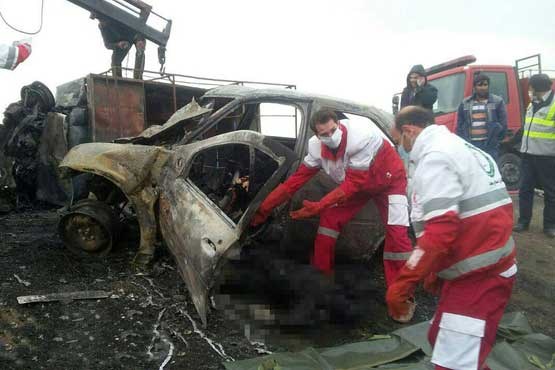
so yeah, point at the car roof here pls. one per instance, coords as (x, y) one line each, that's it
(250, 93)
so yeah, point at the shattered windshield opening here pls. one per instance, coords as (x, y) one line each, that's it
(277, 120)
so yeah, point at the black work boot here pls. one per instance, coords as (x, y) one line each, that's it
(549, 231)
(520, 227)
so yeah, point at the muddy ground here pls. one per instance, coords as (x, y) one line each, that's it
(149, 315)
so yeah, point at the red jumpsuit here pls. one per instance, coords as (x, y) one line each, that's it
(12, 55)
(462, 216)
(367, 168)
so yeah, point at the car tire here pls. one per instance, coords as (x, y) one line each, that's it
(89, 228)
(509, 166)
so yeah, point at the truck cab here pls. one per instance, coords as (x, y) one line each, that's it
(454, 81)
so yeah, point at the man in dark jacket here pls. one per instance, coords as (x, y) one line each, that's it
(418, 91)
(119, 39)
(482, 117)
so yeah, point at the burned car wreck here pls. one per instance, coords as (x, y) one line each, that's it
(195, 182)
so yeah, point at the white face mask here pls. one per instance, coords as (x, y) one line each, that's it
(332, 141)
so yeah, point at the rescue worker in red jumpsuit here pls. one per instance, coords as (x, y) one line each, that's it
(366, 166)
(462, 216)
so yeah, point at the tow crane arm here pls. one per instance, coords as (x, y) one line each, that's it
(134, 15)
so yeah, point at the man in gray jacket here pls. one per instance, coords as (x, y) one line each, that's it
(538, 155)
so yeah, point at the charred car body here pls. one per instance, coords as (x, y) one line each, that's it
(39, 130)
(196, 181)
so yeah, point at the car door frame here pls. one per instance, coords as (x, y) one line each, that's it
(189, 257)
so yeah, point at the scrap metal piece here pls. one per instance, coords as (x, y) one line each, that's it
(51, 149)
(20, 280)
(175, 122)
(68, 296)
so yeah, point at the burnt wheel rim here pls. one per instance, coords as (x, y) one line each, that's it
(84, 233)
(89, 228)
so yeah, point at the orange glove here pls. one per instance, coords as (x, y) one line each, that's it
(399, 294)
(309, 209)
(274, 199)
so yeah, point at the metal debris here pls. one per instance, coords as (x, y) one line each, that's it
(165, 265)
(68, 296)
(21, 281)
(260, 348)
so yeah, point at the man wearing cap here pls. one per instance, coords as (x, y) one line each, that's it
(418, 91)
(119, 39)
(366, 167)
(482, 117)
(538, 155)
(12, 55)
(462, 215)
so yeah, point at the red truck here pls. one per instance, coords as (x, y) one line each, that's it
(454, 78)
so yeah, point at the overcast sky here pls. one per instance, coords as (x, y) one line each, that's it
(355, 49)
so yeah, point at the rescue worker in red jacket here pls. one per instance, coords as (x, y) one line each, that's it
(366, 166)
(462, 216)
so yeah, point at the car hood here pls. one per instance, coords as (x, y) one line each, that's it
(172, 125)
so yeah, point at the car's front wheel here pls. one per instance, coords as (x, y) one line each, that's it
(89, 228)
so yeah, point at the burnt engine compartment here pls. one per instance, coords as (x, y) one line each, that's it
(231, 175)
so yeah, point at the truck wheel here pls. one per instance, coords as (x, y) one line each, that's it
(509, 166)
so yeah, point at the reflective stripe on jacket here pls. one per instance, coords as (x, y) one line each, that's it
(8, 56)
(460, 204)
(538, 137)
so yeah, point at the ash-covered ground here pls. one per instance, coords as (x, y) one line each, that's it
(149, 321)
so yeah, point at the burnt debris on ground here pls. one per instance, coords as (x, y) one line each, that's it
(149, 314)
(147, 319)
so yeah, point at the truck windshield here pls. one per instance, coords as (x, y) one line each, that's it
(450, 93)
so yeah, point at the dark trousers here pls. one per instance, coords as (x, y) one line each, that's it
(118, 55)
(537, 171)
(492, 150)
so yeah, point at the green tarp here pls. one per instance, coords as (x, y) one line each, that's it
(517, 348)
